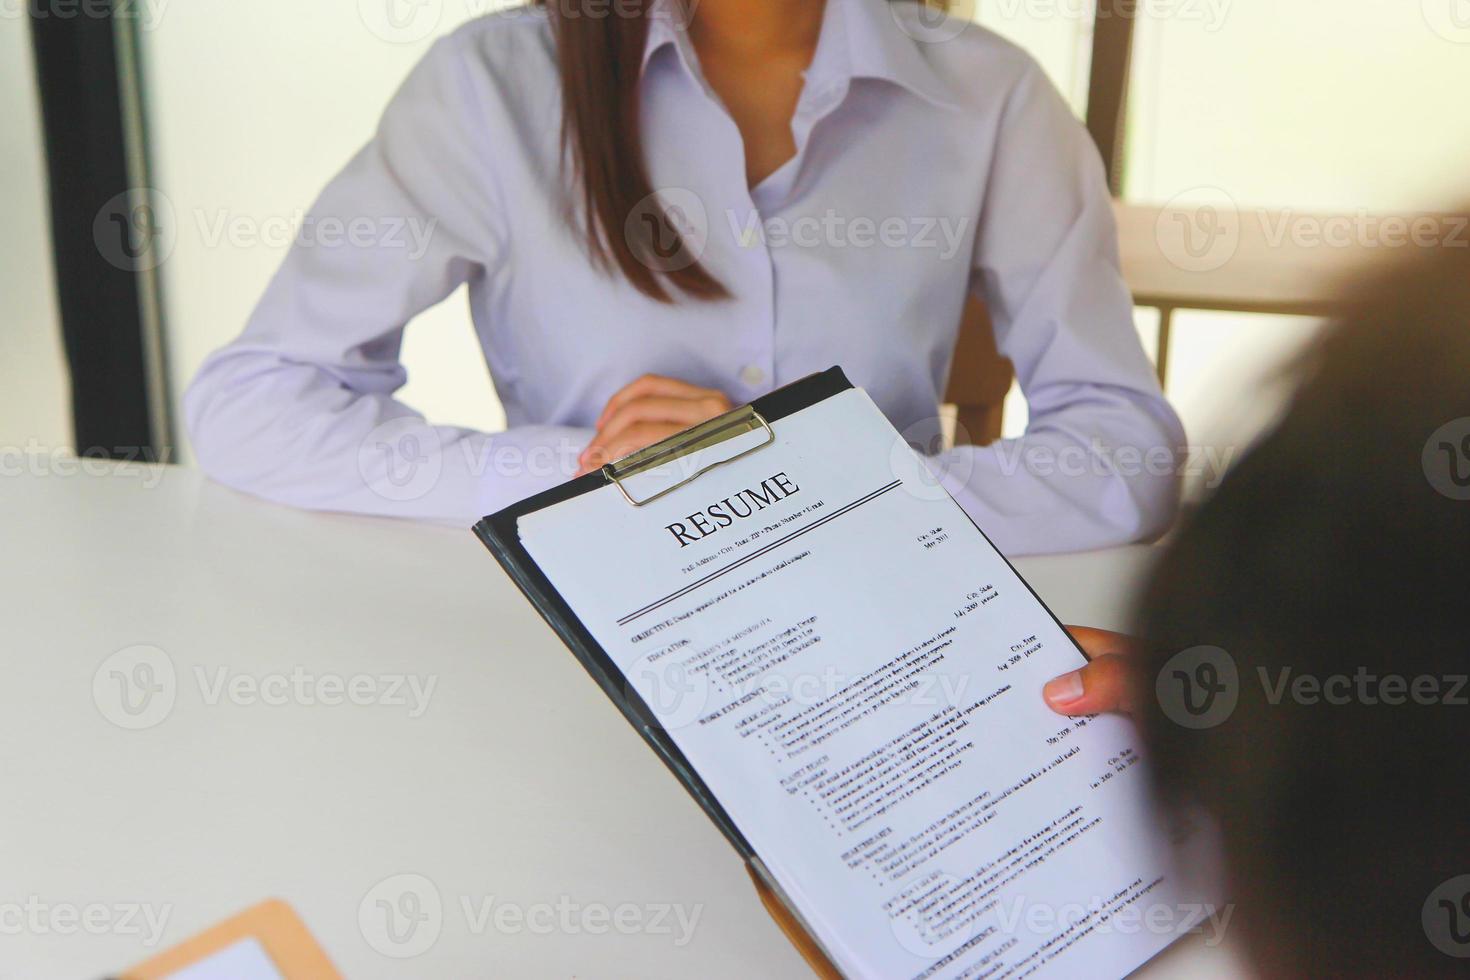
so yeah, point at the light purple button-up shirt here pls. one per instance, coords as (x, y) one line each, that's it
(926, 166)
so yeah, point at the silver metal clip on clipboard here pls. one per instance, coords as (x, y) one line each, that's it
(720, 429)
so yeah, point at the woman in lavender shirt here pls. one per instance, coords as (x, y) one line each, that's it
(664, 208)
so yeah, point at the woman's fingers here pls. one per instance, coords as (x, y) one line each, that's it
(1105, 684)
(656, 386)
(668, 405)
(602, 451)
(681, 412)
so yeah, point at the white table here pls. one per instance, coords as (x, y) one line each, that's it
(519, 782)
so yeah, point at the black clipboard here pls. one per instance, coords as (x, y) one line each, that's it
(500, 534)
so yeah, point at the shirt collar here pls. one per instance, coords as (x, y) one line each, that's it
(860, 39)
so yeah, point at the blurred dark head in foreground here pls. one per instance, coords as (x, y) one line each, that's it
(1309, 637)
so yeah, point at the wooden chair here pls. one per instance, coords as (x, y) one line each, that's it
(979, 379)
(1265, 260)
(1263, 266)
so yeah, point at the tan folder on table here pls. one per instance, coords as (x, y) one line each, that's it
(273, 924)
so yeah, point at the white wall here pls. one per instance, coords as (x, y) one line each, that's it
(253, 107)
(1057, 33)
(34, 410)
(1328, 104)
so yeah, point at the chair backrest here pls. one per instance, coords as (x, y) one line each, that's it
(979, 379)
(1204, 258)
(1222, 256)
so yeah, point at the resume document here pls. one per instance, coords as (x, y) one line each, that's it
(856, 674)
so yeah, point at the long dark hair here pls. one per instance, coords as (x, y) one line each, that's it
(600, 47)
(600, 56)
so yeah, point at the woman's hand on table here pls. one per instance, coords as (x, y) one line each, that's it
(648, 410)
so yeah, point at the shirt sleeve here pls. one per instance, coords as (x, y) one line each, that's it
(1096, 466)
(300, 408)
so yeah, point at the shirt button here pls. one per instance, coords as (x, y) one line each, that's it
(752, 375)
